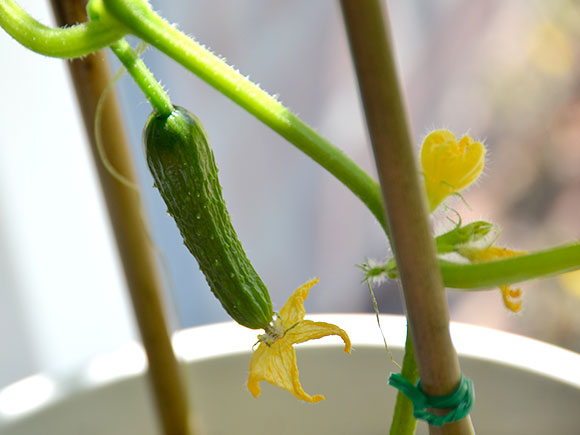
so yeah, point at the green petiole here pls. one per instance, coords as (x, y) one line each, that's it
(143, 77)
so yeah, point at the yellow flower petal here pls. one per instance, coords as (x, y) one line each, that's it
(275, 359)
(293, 310)
(277, 365)
(511, 297)
(449, 166)
(309, 330)
(489, 254)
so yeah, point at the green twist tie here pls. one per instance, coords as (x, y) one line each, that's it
(459, 402)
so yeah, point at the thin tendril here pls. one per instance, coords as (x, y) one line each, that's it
(453, 210)
(98, 122)
(164, 264)
(463, 200)
(376, 307)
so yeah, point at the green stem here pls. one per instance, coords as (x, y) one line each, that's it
(403, 421)
(539, 264)
(143, 77)
(70, 42)
(104, 29)
(152, 28)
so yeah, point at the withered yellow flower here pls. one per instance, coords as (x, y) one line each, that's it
(511, 297)
(449, 166)
(275, 359)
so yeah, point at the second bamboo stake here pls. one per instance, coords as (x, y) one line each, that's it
(406, 210)
(91, 76)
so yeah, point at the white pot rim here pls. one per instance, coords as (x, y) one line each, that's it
(228, 338)
(470, 340)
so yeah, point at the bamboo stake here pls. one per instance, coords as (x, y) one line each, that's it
(406, 210)
(90, 76)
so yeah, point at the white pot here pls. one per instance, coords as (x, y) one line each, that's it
(522, 386)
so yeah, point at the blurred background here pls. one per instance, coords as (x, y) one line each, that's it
(503, 71)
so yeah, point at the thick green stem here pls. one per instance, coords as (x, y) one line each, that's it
(143, 77)
(70, 42)
(153, 29)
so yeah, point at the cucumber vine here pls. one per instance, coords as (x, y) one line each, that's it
(111, 20)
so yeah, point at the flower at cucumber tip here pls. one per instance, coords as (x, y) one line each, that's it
(274, 360)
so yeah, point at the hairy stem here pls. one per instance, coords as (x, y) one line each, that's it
(143, 77)
(153, 29)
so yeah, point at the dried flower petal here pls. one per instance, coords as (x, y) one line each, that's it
(511, 297)
(274, 360)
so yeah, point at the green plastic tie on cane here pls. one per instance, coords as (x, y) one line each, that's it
(458, 402)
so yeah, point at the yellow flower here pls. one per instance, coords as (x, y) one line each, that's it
(449, 166)
(275, 359)
(511, 297)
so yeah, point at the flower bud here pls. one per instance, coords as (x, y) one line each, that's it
(449, 166)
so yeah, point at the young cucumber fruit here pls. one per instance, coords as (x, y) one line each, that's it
(184, 169)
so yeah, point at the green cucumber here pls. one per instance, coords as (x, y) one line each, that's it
(183, 166)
